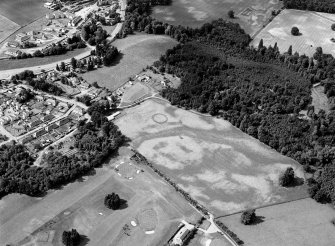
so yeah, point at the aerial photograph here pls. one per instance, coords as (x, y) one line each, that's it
(167, 123)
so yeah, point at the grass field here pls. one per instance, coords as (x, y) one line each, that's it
(22, 12)
(36, 61)
(151, 203)
(223, 168)
(298, 223)
(314, 28)
(138, 51)
(251, 14)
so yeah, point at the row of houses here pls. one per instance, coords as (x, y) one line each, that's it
(47, 129)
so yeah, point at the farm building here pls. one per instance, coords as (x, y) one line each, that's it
(32, 33)
(113, 116)
(13, 53)
(12, 44)
(22, 39)
(181, 236)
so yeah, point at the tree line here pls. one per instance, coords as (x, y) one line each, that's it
(327, 6)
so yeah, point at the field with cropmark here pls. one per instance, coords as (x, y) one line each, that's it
(251, 14)
(151, 211)
(315, 29)
(22, 12)
(300, 223)
(7, 27)
(217, 164)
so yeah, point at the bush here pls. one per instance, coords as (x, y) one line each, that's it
(231, 14)
(295, 31)
(333, 27)
(112, 201)
(248, 217)
(70, 238)
(287, 178)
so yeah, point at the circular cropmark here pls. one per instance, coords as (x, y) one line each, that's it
(160, 118)
(147, 219)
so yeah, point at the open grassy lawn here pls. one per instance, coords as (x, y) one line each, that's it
(36, 61)
(314, 28)
(138, 51)
(220, 166)
(22, 12)
(298, 223)
(251, 14)
(151, 204)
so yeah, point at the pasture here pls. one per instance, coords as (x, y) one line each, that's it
(217, 164)
(22, 12)
(299, 223)
(251, 15)
(314, 28)
(151, 203)
(137, 52)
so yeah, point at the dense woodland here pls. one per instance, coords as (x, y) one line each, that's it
(327, 6)
(95, 141)
(258, 90)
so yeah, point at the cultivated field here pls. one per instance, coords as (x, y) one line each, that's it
(7, 27)
(152, 204)
(314, 28)
(22, 12)
(298, 223)
(251, 14)
(223, 168)
(138, 51)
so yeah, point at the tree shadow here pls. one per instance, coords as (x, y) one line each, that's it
(89, 173)
(123, 204)
(296, 182)
(83, 240)
(258, 220)
(117, 60)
